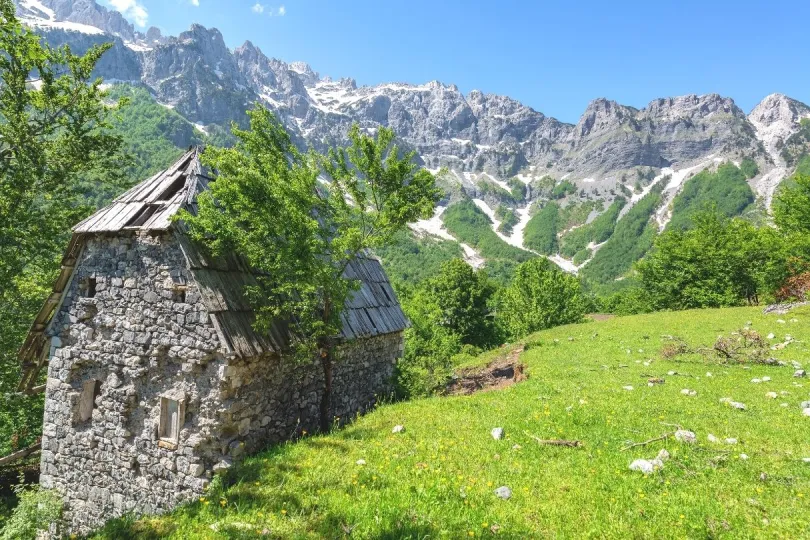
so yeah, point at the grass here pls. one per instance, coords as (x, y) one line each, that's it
(438, 477)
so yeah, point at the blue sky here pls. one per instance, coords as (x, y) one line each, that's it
(552, 56)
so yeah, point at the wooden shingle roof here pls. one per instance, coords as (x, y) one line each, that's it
(150, 206)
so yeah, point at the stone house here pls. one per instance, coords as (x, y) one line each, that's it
(155, 375)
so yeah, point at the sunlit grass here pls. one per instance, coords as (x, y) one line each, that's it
(437, 479)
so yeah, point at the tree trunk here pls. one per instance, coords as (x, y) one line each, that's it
(326, 398)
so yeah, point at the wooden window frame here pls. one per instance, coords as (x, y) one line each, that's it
(168, 430)
(84, 412)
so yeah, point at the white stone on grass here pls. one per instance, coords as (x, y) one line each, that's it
(771, 395)
(743, 457)
(766, 379)
(628, 387)
(712, 438)
(756, 381)
(497, 433)
(361, 462)
(731, 440)
(688, 392)
(642, 465)
(771, 336)
(800, 373)
(806, 411)
(398, 429)
(503, 492)
(685, 436)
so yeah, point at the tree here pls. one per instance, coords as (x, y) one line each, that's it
(719, 262)
(791, 209)
(53, 138)
(300, 235)
(463, 298)
(540, 296)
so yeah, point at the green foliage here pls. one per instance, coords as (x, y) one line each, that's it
(37, 509)
(540, 233)
(469, 224)
(597, 231)
(508, 219)
(563, 189)
(632, 237)
(409, 259)
(628, 301)
(581, 256)
(542, 187)
(727, 189)
(720, 262)
(749, 168)
(791, 207)
(447, 313)
(266, 205)
(518, 189)
(488, 187)
(52, 135)
(540, 296)
(577, 213)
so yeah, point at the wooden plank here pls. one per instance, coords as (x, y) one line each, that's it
(119, 221)
(16, 456)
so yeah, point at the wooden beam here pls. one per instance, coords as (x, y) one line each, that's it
(16, 456)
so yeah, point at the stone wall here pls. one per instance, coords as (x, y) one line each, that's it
(139, 340)
(269, 400)
(142, 340)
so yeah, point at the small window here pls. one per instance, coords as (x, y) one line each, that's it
(172, 417)
(179, 295)
(87, 400)
(88, 287)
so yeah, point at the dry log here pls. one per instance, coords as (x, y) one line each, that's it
(554, 442)
(16, 456)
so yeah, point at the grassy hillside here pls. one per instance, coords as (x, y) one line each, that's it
(410, 260)
(727, 189)
(437, 479)
(472, 226)
(632, 237)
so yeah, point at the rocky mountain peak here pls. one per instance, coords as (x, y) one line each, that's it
(85, 12)
(778, 108)
(602, 114)
(306, 73)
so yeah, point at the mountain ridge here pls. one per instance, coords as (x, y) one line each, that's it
(487, 142)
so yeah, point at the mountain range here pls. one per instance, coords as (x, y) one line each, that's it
(504, 157)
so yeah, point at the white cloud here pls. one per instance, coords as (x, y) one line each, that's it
(131, 9)
(282, 11)
(258, 8)
(195, 3)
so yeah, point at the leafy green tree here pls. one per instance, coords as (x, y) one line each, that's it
(268, 205)
(540, 296)
(541, 230)
(464, 296)
(719, 262)
(791, 209)
(54, 134)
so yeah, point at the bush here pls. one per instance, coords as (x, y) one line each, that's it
(540, 296)
(749, 168)
(563, 189)
(508, 219)
(597, 231)
(37, 509)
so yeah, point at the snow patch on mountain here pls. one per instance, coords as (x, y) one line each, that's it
(433, 226)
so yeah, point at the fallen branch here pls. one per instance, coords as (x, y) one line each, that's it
(16, 456)
(554, 442)
(660, 438)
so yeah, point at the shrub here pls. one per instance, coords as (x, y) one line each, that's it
(540, 296)
(37, 509)
(726, 189)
